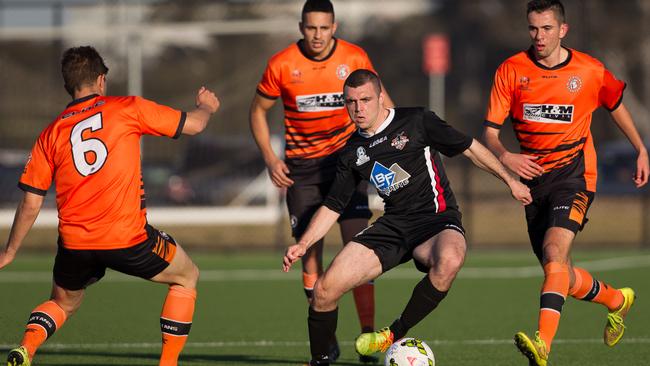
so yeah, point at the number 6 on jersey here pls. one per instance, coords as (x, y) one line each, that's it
(80, 146)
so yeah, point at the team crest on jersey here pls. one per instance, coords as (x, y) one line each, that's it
(362, 157)
(548, 113)
(342, 71)
(524, 83)
(319, 102)
(295, 76)
(574, 84)
(388, 180)
(400, 141)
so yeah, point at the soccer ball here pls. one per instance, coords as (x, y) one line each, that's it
(409, 352)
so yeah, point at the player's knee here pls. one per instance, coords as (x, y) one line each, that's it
(324, 294)
(193, 275)
(554, 253)
(448, 266)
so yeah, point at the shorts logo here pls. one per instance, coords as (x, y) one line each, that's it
(400, 141)
(342, 71)
(293, 220)
(388, 180)
(574, 84)
(548, 113)
(362, 158)
(319, 102)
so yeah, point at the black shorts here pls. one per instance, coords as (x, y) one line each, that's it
(304, 200)
(78, 269)
(565, 206)
(394, 237)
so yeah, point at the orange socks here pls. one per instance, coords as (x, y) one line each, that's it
(45, 319)
(587, 288)
(308, 282)
(175, 323)
(364, 299)
(554, 292)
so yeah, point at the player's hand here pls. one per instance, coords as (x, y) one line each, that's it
(522, 165)
(642, 169)
(207, 100)
(520, 192)
(6, 257)
(292, 254)
(278, 171)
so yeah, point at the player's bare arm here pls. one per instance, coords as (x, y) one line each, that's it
(485, 160)
(624, 121)
(520, 164)
(207, 104)
(259, 125)
(319, 225)
(26, 214)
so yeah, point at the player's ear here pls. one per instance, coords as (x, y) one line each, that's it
(101, 83)
(564, 29)
(301, 28)
(334, 26)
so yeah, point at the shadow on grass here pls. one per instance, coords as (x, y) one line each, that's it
(147, 359)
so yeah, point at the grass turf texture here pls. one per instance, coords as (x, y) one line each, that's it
(249, 313)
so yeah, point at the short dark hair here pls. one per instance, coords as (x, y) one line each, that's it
(81, 66)
(543, 5)
(362, 77)
(321, 6)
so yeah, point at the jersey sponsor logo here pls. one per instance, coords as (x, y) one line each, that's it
(549, 113)
(377, 142)
(29, 158)
(342, 71)
(362, 157)
(399, 142)
(574, 84)
(294, 221)
(388, 180)
(319, 102)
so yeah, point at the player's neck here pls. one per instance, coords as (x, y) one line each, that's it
(381, 117)
(557, 57)
(86, 91)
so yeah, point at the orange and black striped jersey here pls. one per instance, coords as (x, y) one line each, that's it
(92, 152)
(551, 111)
(315, 120)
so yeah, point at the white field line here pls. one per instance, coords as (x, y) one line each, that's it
(600, 265)
(266, 343)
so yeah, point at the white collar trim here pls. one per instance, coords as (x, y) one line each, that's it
(383, 126)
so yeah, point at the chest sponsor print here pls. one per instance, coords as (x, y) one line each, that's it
(319, 102)
(548, 113)
(388, 180)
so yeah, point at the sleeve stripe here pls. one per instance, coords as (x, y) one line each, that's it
(492, 124)
(28, 188)
(181, 124)
(620, 100)
(261, 93)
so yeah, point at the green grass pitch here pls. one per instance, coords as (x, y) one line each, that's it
(249, 313)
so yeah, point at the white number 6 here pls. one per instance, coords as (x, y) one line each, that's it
(80, 146)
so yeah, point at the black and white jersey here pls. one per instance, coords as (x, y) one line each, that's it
(402, 161)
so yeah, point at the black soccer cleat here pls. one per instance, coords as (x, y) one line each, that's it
(368, 360)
